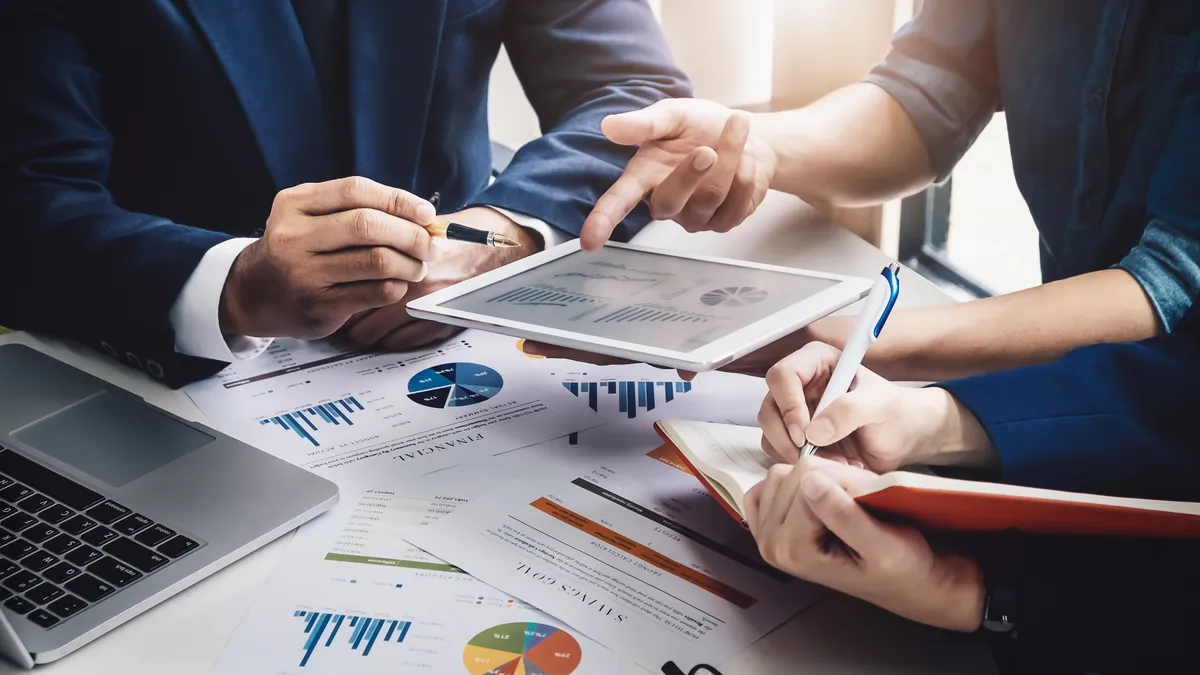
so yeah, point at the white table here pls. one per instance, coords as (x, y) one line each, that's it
(838, 636)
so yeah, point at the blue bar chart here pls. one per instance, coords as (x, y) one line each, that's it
(303, 422)
(632, 395)
(364, 631)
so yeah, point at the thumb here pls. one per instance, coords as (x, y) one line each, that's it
(843, 516)
(849, 413)
(660, 120)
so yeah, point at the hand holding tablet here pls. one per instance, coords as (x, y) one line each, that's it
(688, 312)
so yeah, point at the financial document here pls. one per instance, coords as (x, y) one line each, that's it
(623, 543)
(366, 418)
(351, 596)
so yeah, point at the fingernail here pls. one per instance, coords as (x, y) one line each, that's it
(530, 348)
(704, 161)
(814, 487)
(819, 431)
(425, 213)
(857, 464)
(797, 434)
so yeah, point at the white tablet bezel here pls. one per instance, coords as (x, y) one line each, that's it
(709, 357)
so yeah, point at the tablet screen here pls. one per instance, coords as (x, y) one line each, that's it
(645, 298)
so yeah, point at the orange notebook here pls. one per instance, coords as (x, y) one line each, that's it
(728, 460)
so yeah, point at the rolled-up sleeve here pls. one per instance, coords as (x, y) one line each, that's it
(942, 71)
(1166, 262)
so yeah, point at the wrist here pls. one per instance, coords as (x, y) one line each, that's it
(960, 594)
(955, 436)
(231, 313)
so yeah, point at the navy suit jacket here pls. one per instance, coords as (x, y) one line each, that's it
(137, 134)
(1115, 419)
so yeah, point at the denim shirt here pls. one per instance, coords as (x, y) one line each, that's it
(1102, 100)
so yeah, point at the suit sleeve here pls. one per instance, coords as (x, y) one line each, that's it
(578, 61)
(1112, 419)
(74, 262)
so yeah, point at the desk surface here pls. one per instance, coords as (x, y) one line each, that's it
(838, 636)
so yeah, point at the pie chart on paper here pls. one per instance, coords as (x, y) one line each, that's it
(522, 649)
(452, 385)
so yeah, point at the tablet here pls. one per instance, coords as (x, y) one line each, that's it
(669, 309)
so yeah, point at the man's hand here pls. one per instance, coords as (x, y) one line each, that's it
(808, 525)
(393, 329)
(877, 423)
(330, 250)
(699, 164)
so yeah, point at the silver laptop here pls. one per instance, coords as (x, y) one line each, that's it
(108, 506)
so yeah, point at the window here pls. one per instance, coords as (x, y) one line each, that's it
(974, 234)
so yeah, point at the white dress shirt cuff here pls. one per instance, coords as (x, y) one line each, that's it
(551, 236)
(195, 316)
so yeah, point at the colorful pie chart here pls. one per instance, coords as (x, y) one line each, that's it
(522, 649)
(451, 385)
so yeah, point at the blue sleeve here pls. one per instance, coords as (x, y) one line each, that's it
(1166, 262)
(73, 262)
(942, 71)
(1113, 419)
(579, 61)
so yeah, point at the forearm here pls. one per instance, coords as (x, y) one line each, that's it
(1037, 325)
(854, 146)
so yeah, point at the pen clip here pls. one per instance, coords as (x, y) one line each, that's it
(434, 199)
(892, 274)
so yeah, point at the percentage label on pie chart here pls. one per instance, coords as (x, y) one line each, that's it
(522, 649)
(733, 296)
(451, 385)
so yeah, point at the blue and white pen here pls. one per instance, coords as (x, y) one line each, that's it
(875, 312)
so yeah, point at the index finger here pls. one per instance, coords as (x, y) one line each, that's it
(357, 192)
(789, 379)
(612, 207)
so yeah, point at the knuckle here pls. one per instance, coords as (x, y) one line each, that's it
(778, 471)
(391, 291)
(378, 260)
(352, 188)
(363, 225)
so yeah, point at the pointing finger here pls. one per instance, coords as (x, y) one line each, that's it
(669, 198)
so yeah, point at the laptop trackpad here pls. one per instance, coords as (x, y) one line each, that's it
(113, 438)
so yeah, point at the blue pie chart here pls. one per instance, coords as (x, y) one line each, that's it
(454, 385)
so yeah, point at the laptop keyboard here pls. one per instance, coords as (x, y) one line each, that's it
(65, 547)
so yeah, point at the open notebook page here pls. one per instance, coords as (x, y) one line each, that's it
(729, 454)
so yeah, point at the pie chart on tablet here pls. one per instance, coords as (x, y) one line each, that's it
(522, 649)
(454, 385)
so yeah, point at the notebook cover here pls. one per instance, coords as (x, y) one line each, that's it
(973, 512)
(729, 508)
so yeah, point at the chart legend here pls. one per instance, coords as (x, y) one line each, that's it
(632, 395)
(303, 422)
(363, 632)
(525, 648)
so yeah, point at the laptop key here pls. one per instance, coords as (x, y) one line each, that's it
(135, 554)
(43, 593)
(34, 503)
(7, 567)
(84, 555)
(5, 481)
(89, 588)
(7, 510)
(77, 525)
(61, 545)
(154, 536)
(5, 594)
(39, 533)
(177, 546)
(43, 618)
(15, 550)
(117, 573)
(107, 512)
(18, 521)
(15, 492)
(6, 536)
(38, 561)
(98, 536)
(19, 605)
(53, 485)
(21, 581)
(61, 573)
(55, 514)
(130, 525)
(67, 605)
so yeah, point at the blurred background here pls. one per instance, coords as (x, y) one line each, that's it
(972, 235)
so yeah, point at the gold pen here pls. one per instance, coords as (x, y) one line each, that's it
(457, 232)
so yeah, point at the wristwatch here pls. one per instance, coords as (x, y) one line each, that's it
(1000, 605)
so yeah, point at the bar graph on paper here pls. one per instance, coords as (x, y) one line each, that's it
(304, 421)
(631, 395)
(360, 634)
